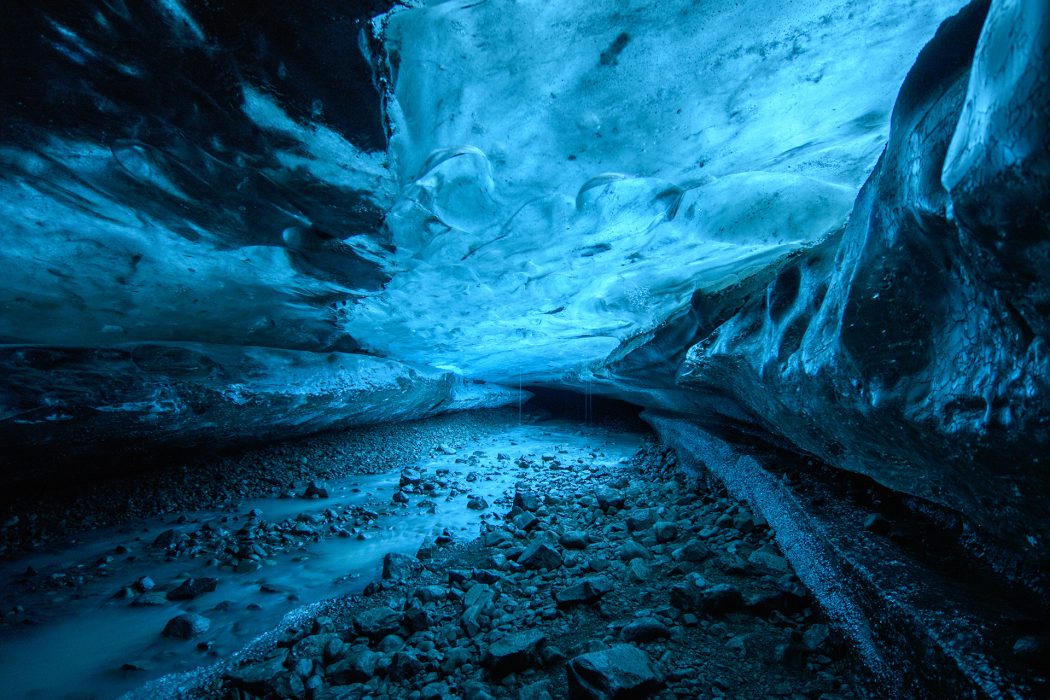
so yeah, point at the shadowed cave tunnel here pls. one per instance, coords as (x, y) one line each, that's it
(516, 349)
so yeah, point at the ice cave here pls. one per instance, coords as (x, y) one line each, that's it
(524, 349)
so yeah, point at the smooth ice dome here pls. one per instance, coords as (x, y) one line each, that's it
(559, 199)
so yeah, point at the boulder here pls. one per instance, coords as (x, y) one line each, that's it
(586, 590)
(646, 629)
(609, 497)
(622, 672)
(260, 678)
(527, 501)
(514, 653)
(397, 567)
(186, 626)
(540, 555)
(574, 539)
(375, 623)
(358, 666)
(193, 587)
(665, 531)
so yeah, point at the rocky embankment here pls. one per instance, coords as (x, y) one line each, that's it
(594, 580)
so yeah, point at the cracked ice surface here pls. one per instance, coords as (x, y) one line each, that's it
(573, 172)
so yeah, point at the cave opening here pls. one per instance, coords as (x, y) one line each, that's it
(584, 407)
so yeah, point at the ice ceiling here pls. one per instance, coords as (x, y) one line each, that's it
(557, 178)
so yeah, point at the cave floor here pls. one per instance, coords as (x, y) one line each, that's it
(379, 585)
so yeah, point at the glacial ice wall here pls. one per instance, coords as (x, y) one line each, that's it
(911, 348)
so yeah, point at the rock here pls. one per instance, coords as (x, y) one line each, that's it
(126, 592)
(404, 666)
(665, 531)
(738, 643)
(877, 524)
(186, 626)
(375, 623)
(815, 637)
(416, 619)
(477, 599)
(475, 690)
(781, 601)
(768, 558)
(514, 652)
(618, 673)
(574, 539)
(150, 599)
(315, 490)
(540, 555)
(789, 654)
(430, 594)
(598, 564)
(193, 587)
(734, 565)
(477, 503)
(645, 629)
(409, 477)
(526, 521)
(260, 678)
(438, 690)
(445, 449)
(609, 497)
(454, 658)
(246, 566)
(721, 598)
(323, 648)
(527, 501)
(631, 550)
(638, 570)
(485, 576)
(358, 666)
(165, 539)
(144, 584)
(496, 536)
(540, 690)
(693, 551)
(397, 567)
(478, 593)
(586, 590)
(642, 520)
(1030, 649)
(696, 594)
